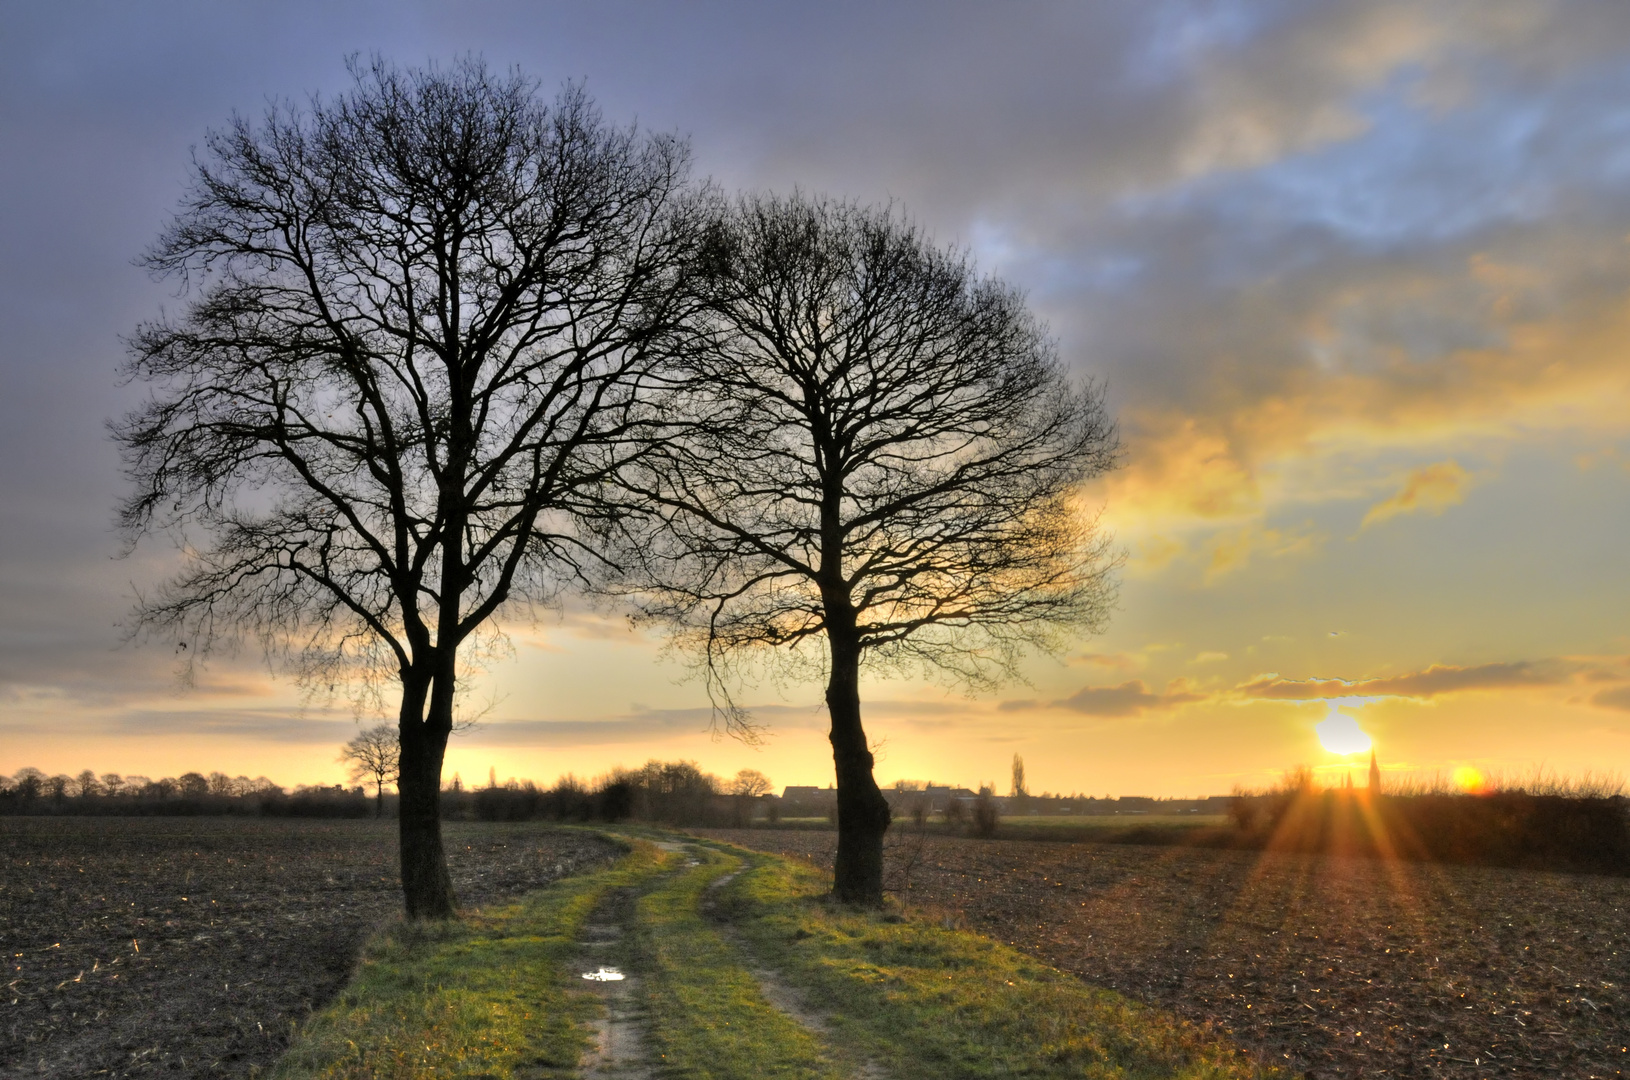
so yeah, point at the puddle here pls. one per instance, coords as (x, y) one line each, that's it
(605, 974)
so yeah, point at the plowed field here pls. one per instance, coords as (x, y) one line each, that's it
(1344, 967)
(190, 947)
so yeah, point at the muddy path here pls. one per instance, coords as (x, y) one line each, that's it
(621, 1048)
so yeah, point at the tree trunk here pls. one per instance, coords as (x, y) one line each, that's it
(379, 798)
(426, 887)
(863, 813)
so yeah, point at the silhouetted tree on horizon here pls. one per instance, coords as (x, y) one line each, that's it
(407, 364)
(876, 458)
(375, 755)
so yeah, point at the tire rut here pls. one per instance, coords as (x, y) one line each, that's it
(787, 999)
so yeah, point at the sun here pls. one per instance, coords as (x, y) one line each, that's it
(1340, 734)
(1469, 780)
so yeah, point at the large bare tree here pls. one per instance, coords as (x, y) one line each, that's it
(880, 454)
(406, 363)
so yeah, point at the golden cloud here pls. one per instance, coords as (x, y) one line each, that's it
(1432, 488)
(1537, 343)
(1616, 698)
(1128, 699)
(1425, 684)
(1233, 550)
(1114, 661)
(1184, 472)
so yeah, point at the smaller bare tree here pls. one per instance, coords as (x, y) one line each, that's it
(375, 755)
(748, 785)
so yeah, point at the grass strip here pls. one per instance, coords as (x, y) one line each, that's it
(708, 1018)
(482, 997)
(929, 1002)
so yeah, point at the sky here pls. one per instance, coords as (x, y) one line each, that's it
(1356, 277)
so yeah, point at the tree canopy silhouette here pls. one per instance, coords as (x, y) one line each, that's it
(879, 459)
(405, 367)
(374, 754)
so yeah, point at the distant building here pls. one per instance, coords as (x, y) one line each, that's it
(810, 793)
(933, 797)
(807, 801)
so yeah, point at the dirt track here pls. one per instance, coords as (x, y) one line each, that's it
(188, 947)
(1343, 967)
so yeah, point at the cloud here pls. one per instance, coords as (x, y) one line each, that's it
(1432, 488)
(1616, 698)
(1431, 682)
(1128, 699)
(1119, 661)
(640, 724)
(1232, 550)
(1153, 553)
(270, 725)
(1300, 241)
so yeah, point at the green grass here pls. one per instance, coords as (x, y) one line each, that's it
(482, 997)
(929, 1002)
(496, 996)
(708, 1018)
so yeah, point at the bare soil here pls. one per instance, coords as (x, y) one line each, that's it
(192, 947)
(1339, 966)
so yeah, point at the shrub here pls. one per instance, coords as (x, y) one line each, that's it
(986, 815)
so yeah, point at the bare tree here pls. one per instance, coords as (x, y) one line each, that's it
(376, 755)
(409, 361)
(883, 457)
(750, 783)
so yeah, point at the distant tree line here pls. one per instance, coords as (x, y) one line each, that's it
(666, 792)
(31, 791)
(1548, 824)
(672, 792)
